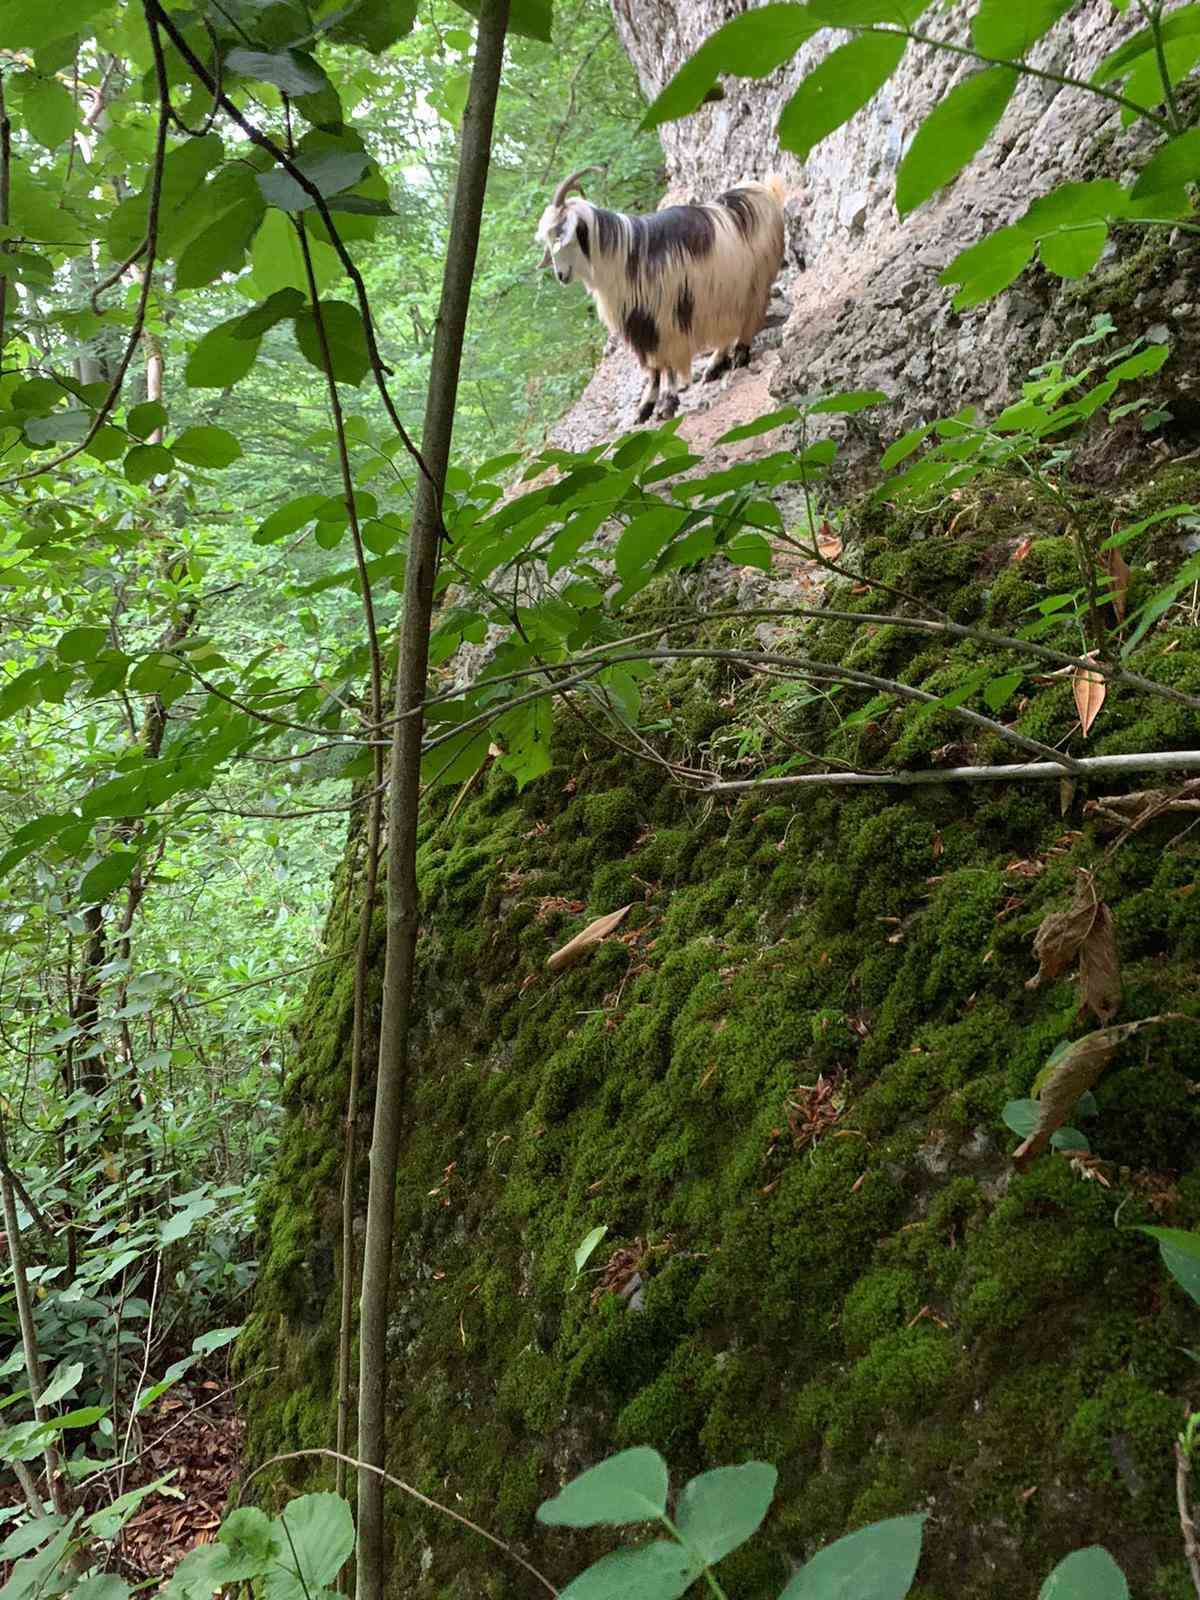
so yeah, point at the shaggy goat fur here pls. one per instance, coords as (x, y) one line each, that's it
(675, 282)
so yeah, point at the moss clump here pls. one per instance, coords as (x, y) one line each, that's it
(869, 1298)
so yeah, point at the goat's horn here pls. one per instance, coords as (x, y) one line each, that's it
(565, 187)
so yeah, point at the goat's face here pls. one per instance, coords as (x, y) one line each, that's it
(559, 232)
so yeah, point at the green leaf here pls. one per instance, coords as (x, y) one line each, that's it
(276, 261)
(629, 1487)
(985, 268)
(584, 1252)
(181, 1224)
(838, 87)
(278, 307)
(1073, 252)
(1181, 1256)
(1175, 164)
(719, 1510)
(107, 876)
(1099, 200)
(751, 430)
(375, 25)
(1089, 1574)
(751, 45)
(290, 70)
(346, 337)
(65, 1378)
(646, 537)
(206, 447)
(952, 134)
(221, 247)
(1133, 529)
(848, 403)
(865, 13)
(660, 1571)
(532, 18)
(317, 1538)
(60, 427)
(1022, 1116)
(29, 24)
(215, 1339)
(101, 1586)
(329, 173)
(1142, 364)
(145, 418)
(1000, 691)
(903, 447)
(248, 1545)
(81, 644)
(1178, 25)
(107, 444)
(220, 358)
(146, 461)
(1005, 29)
(877, 1563)
(47, 109)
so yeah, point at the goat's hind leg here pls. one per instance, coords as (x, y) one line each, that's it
(719, 365)
(649, 395)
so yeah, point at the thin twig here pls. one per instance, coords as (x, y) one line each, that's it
(407, 1488)
(1151, 761)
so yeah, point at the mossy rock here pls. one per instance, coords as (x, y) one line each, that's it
(875, 1302)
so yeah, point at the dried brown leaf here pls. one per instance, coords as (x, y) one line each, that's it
(595, 933)
(1077, 1070)
(1090, 691)
(1023, 549)
(1119, 570)
(1058, 940)
(1099, 972)
(828, 544)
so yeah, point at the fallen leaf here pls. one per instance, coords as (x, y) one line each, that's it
(1058, 940)
(1058, 1087)
(1023, 549)
(595, 933)
(1090, 690)
(1119, 570)
(1066, 795)
(1099, 973)
(829, 546)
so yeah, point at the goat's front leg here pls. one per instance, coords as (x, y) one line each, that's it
(649, 395)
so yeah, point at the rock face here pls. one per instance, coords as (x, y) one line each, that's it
(869, 312)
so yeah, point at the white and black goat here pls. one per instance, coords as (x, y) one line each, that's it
(675, 282)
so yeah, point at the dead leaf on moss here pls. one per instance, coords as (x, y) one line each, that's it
(1099, 973)
(1023, 548)
(1058, 940)
(595, 933)
(1119, 570)
(1090, 691)
(1060, 1084)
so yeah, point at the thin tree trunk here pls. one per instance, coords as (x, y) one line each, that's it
(33, 1361)
(405, 782)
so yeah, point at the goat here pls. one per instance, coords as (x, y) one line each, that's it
(675, 282)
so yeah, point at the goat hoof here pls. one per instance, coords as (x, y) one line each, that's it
(668, 406)
(715, 372)
(741, 356)
(645, 412)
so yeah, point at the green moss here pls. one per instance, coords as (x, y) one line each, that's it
(876, 1303)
